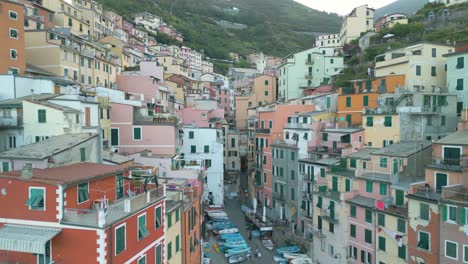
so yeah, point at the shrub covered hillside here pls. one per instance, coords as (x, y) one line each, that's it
(243, 26)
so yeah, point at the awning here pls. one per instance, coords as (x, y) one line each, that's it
(29, 239)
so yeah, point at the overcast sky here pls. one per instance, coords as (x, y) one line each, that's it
(342, 7)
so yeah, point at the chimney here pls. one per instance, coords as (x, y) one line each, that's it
(26, 172)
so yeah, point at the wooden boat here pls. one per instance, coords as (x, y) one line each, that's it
(228, 231)
(291, 249)
(278, 258)
(268, 244)
(239, 258)
(294, 256)
(301, 261)
(236, 251)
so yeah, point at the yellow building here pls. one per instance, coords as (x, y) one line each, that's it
(81, 61)
(68, 16)
(422, 63)
(117, 47)
(173, 229)
(381, 129)
(92, 12)
(360, 20)
(392, 223)
(173, 65)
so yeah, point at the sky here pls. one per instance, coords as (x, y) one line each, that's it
(342, 7)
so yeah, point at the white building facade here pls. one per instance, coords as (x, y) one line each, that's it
(207, 144)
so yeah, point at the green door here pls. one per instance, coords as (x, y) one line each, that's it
(5, 167)
(114, 136)
(395, 166)
(400, 197)
(335, 184)
(281, 190)
(319, 222)
(441, 180)
(335, 145)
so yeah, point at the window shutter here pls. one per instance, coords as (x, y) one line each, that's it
(463, 216)
(445, 213)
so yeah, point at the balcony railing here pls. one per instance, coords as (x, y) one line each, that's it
(115, 211)
(156, 118)
(11, 122)
(279, 197)
(455, 193)
(262, 130)
(309, 62)
(297, 126)
(309, 75)
(318, 233)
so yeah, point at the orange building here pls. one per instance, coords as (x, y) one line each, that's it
(12, 53)
(191, 227)
(364, 94)
(81, 213)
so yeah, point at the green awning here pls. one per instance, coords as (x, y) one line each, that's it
(29, 239)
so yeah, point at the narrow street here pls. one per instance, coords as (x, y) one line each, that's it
(233, 208)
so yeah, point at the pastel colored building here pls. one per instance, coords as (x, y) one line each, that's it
(269, 128)
(93, 13)
(12, 42)
(328, 40)
(422, 63)
(65, 208)
(56, 151)
(360, 20)
(201, 117)
(207, 144)
(437, 205)
(173, 226)
(306, 70)
(457, 76)
(133, 128)
(364, 94)
(390, 20)
(381, 129)
(69, 16)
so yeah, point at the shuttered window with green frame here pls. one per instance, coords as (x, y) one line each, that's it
(41, 116)
(352, 211)
(120, 240)
(83, 192)
(159, 254)
(365, 100)
(347, 185)
(142, 229)
(335, 183)
(368, 215)
(36, 198)
(370, 121)
(423, 240)
(158, 217)
(388, 121)
(368, 236)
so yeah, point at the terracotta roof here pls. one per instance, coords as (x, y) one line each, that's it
(69, 174)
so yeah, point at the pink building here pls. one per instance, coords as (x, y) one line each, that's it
(226, 101)
(166, 29)
(127, 26)
(201, 117)
(147, 86)
(135, 129)
(271, 120)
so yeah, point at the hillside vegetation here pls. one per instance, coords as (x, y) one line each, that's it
(276, 27)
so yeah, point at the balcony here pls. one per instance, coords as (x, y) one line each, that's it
(307, 178)
(447, 163)
(262, 130)
(309, 75)
(457, 193)
(155, 118)
(318, 233)
(296, 126)
(279, 197)
(326, 150)
(329, 215)
(307, 196)
(309, 62)
(116, 211)
(11, 122)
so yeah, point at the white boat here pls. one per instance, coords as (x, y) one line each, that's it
(206, 260)
(217, 214)
(294, 256)
(238, 258)
(301, 261)
(277, 258)
(268, 244)
(228, 231)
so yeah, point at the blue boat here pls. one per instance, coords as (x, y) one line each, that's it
(235, 244)
(236, 251)
(291, 249)
(227, 236)
(231, 240)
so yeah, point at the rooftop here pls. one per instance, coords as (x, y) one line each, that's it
(69, 174)
(115, 157)
(47, 148)
(403, 149)
(19, 101)
(376, 176)
(55, 106)
(363, 154)
(343, 130)
(362, 201)
(457, 138)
